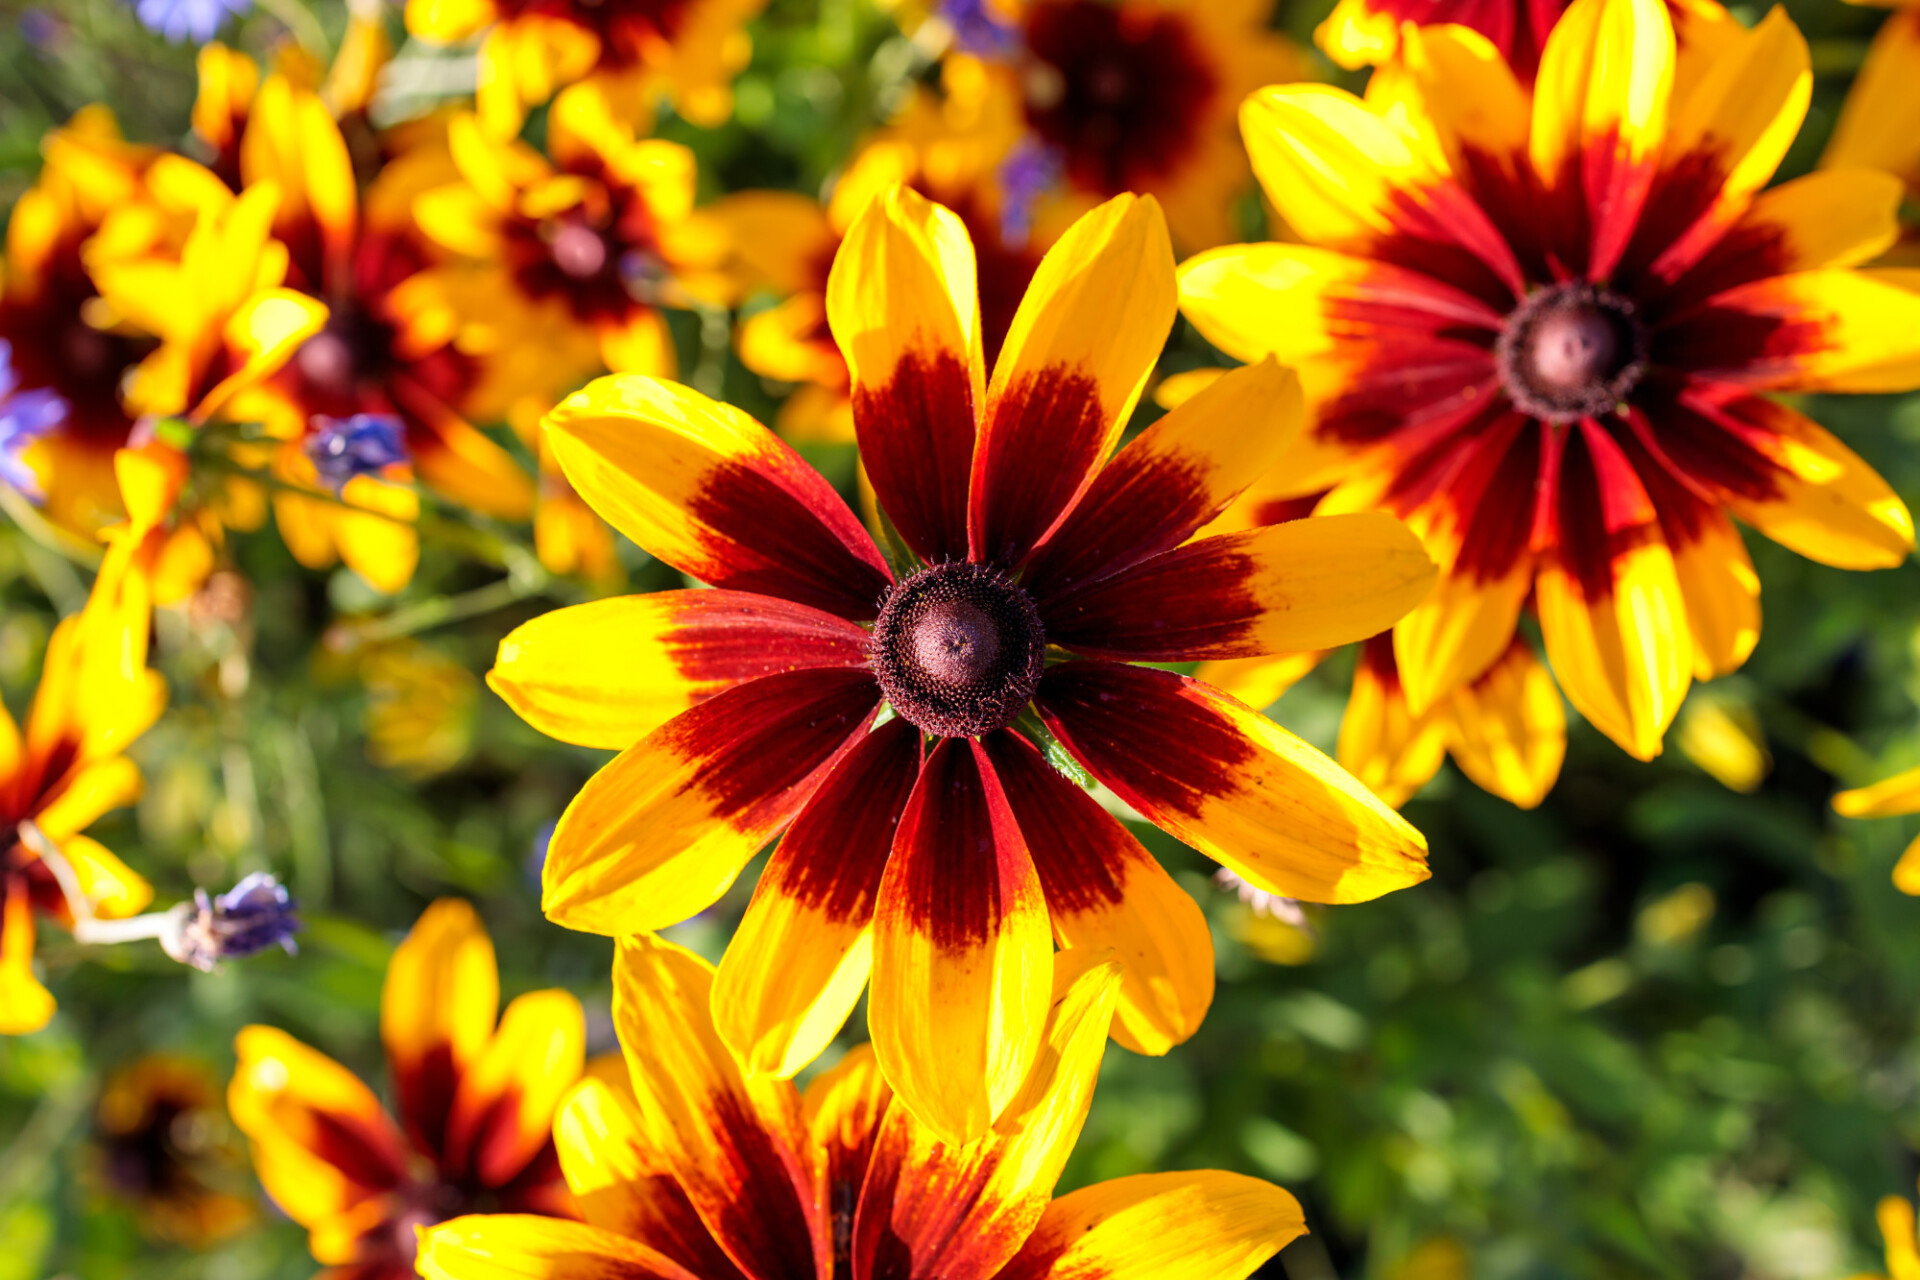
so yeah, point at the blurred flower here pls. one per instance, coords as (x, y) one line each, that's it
(695, 1168)
(364, 445)
(783, 243)
(1723, 737)
(162, 1144)
(575, 255)
(420, 708)
(1506, 730)
(49, 314)
(1137, 95)
(1272, 927)
(25, 416)
(1556, 379)
(255, 914)
(954, 868)
(1678, 916)
(1895, 1215)
(39, 28)
(386, 352)
(476, 1105)
(1890, 797)
(1364, 33)
(1879, 124)
(65, 769)
(633, 51)
(194, 20)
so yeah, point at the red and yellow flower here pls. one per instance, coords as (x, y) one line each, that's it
(1542, 326)
(66, 768)
(633, 51)
(1506, 730)
(1879, 126)
(381, 352)
(1070, 102)
(1365, 33)
(476, 1105)
(163, 1146)
(705, 1172)
(49, 308)
(937, 848)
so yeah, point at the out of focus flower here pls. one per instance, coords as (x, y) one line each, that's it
(64, 769)
(366, 444)
(255, 914)
(192, 20)
(782, 243)
(386, 354)
(1543, 334)
(420, 708)
(1363, 33)
(162, 1144)
(702, 1170)
(1895, 1215)
(476, 1105)
(1506, 730)
(1137, 95)
(633, 51)
(940, 849)
(1879, 125)
(1272, 927)
(1723, 737)
(1677, 917)
(49, 307)
(1888, 798)
(25, 416)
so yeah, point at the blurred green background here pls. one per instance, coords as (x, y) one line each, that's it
(1656, 1028)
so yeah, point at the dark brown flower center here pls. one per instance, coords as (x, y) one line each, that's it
(958, 649)
(1572, 351)
(578, 250)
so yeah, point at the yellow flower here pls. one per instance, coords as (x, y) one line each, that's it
(1363, 33)
(420, 708)
(1543, 328)
(938, 849)
(476, 1105)
(694, 1170)
(1879, 125)
(50, 314)
(380, 359)
(633, 51)
(1897, 1230)
(67, 768)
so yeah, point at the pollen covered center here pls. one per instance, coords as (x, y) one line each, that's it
(1572, 351)
(958, 649)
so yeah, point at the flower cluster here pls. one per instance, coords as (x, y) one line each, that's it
(982, 626)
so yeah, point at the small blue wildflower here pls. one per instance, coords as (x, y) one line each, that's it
(1030, 170)
(195, 20)
(39, 28)
(25, 416)
(255, 914)
(364, 444)
(536, 863)
(978, 30)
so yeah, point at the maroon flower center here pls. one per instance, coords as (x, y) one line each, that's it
(958, 649)
(335, 365)
(578, 250)
(1571, 351)
(1120, 93)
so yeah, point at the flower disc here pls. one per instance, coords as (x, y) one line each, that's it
(958, 649)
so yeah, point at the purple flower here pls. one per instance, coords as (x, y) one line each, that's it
(25, 416)
(255, 914)
(1030, 170)
(363, 445)
(978, 30)
(195, 20)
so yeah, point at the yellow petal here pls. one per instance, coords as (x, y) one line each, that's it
(519, 1246)
(1507, 730)
(1896, 795)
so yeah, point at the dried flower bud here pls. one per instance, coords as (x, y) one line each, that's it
(255, 914)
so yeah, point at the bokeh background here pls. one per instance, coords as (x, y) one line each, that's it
(1665, 1025)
